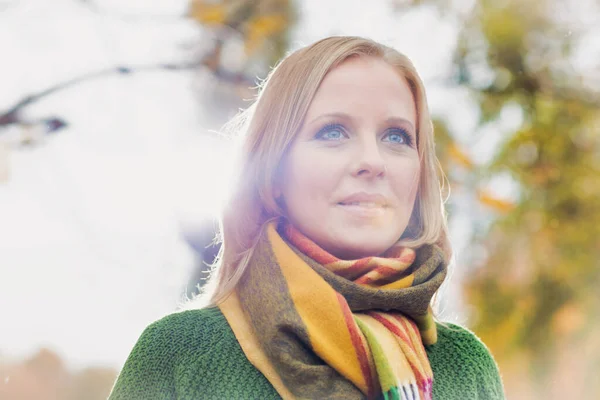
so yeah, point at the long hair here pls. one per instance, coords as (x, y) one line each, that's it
(268, 128)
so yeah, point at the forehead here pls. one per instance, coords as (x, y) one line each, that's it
(365, 85)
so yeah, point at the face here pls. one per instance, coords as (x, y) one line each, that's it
(351, 176)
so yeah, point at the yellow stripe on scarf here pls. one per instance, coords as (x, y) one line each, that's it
(325, 322)
(396, 358)
(399, 284)
(412, 349)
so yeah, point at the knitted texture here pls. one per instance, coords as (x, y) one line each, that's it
(195, 355)
(316, 343)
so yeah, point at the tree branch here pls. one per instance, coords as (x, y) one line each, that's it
(12, 115)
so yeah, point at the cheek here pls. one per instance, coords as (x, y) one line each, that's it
(309, 176)
(405, 181)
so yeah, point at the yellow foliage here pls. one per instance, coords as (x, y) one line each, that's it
(499, 338)
(262, 27)
(459, 156)
(256, 21)
(503, 26)
(208, 14)
(497, 204)
(568, 319)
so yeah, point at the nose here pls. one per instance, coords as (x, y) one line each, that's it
(369, 161)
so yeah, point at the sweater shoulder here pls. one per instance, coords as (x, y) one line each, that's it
(459, 355)
(208, 361)
(173, 354)
(175, 336)
(208, 320)
(467, 344)
(188, 328)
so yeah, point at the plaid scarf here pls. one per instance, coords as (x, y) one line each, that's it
(320, 327)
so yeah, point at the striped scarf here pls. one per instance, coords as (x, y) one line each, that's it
(320, 327)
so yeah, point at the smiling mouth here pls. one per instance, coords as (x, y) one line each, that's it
(363, 210)
(362, 204)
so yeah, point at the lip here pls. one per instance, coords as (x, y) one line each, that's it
(375, 199)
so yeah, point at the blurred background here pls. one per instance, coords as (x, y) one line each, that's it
(112, 170)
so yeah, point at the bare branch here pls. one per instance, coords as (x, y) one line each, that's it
(12, 115)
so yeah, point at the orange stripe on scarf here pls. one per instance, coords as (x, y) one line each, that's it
(362, 350)
(399, 329)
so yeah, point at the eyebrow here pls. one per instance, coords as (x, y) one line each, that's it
(344, 116)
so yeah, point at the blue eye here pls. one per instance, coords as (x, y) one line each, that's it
(331, 132)
(398, 136)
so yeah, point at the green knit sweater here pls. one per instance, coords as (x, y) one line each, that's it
(195, 355)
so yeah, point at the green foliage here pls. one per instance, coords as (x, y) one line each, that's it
(536, 294)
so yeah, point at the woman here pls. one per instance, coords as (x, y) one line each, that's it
(334, 243)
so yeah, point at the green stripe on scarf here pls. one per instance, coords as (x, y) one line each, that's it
(384, 371)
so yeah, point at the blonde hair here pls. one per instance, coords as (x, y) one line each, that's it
(269, 127)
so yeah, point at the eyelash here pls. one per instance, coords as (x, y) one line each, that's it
(398, 131)
(402, 132)
(328, 128)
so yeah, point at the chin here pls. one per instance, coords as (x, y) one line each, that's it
(360, 243)
(355, 251)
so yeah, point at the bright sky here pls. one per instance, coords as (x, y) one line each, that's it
(90, 243)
